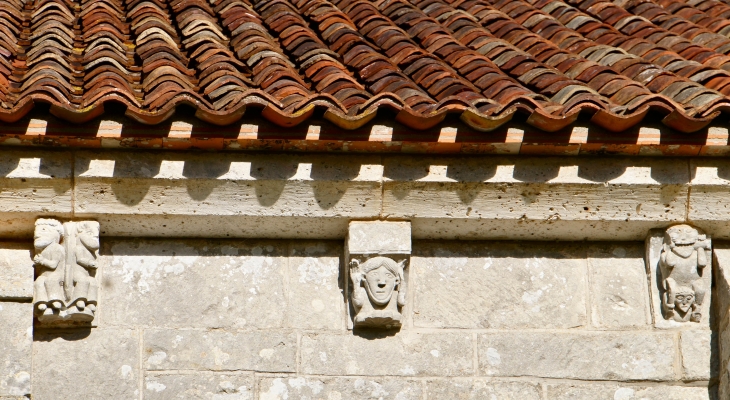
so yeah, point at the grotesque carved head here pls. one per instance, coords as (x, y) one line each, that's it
(47, 231)
(381, 277)
(89, 234)
(683, 235)
(684, 298)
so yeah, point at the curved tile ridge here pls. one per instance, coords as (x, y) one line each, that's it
(107, 57)
(46, 62)
(631, 99)
(636, 26)
(319, 64)
(428, 71)
(657, 15)
(682, 110)
(219, 74)
(571, 94)
(471, 66)
(11, 19)
(166, 78)
(379, 74)
(711, 14)
(554, 23)
(278, 86)
(604, 34)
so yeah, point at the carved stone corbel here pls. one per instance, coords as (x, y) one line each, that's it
(65, 260)
(378, 254)
(679, 263)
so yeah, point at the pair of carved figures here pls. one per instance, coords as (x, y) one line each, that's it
(65, 262)
(378, 292)
(686, 252)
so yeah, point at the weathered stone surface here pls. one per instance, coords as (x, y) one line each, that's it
(266, 351)
(534, 198)
(240, 186)
(377, 237)
(697, 361)
(176, 283)
(625, 392)
(405, 354)
(721, 270)
(708, 200)
(590, 355)
(16, 340)
(33, 183)
(16, 271)
(339, 388)
(199, 386)
(104, 362)
(315, 289)
(480, 389)
(499, 285)
(619, 292)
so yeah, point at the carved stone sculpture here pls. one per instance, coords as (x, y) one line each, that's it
(379, 292)
(378, 253)
(685, 254)
(65, 260)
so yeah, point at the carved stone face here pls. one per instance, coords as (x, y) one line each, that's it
(684, 300)
(683, 235)
(380, 284)
(44, 236)
(89, 235)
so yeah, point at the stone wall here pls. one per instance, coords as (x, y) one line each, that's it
(268, 319)
(229, 276)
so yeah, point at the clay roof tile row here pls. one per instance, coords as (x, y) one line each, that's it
(485, 60)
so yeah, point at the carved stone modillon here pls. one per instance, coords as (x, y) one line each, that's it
(65, 260)
(379, 292)
(685, 254)
(378, 253)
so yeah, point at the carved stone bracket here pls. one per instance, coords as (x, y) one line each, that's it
(65, 260)
(679, 264)
(378, 254)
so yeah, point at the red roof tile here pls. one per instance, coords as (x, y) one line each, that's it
(485, 60)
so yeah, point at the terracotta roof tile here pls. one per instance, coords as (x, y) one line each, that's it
(485, 60)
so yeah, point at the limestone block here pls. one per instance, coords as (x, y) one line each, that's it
(405, 354)
(240, 186)
(324, 388)
(378, 253)
(499, 285)
(708, 200)
(589, 355)
(570, 391)
(16, 271)
(16, 340)
(86, 364)
(534, 198)
(721, 269)
(265, 351)
(189, 283)
(376, 237)
(690, 278)
(721, 266)
(222, 226)
(199, 386)
(697, 361)
(315, 291)
(33, 183)
(478, 389)
(619, 295)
